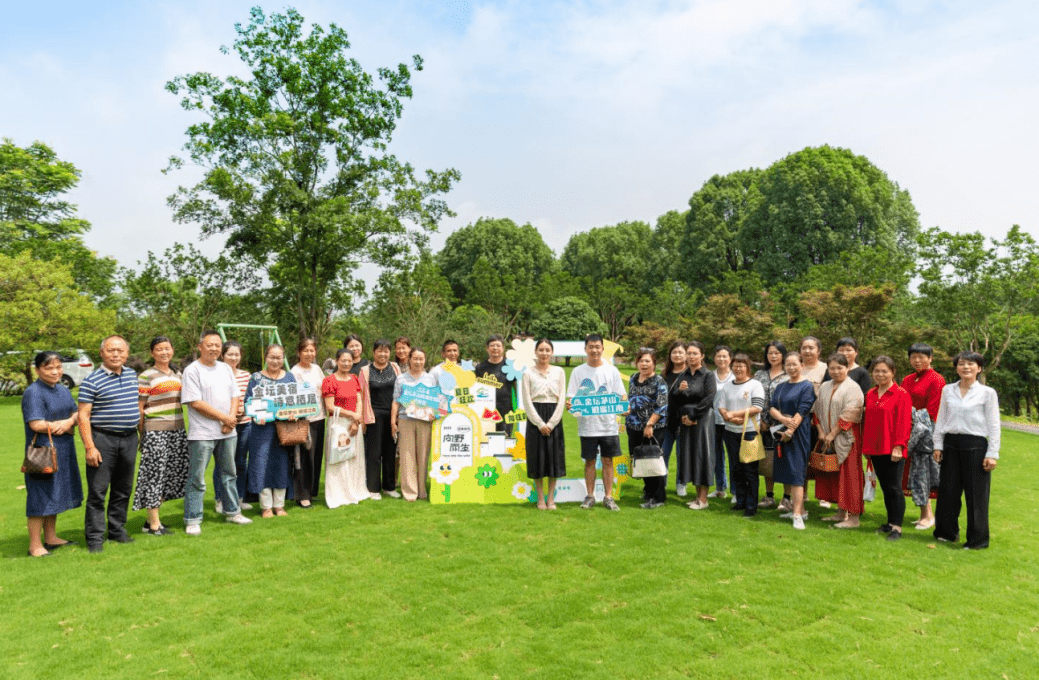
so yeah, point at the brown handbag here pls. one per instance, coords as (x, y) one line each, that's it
(823, 458)
(292, 432)
(41, 460)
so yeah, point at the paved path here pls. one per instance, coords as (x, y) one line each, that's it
(1021, 427)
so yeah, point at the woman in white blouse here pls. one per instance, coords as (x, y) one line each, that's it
(966, 445)
(544, 390)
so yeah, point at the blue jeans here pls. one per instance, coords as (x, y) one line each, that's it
(719, 458)
(240, 460)
(200, 452)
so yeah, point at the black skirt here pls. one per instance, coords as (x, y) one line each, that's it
(695, 448)
(546, 455)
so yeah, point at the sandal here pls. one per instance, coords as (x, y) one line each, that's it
(552, 506)
(267, 513)
(542, 506)
(925, 524)
(845, 525)
(280, 512)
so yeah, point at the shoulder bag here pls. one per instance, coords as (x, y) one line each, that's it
(751, 450)
(41, 460)
(341, 446)
(292, 432)
(647, 460)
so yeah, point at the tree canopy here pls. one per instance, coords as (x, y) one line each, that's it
(296, 172)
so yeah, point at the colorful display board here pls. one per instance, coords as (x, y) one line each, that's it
(283, 401)
(470, 462)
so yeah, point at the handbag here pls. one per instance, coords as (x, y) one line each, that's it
(292, 432)
(765, 465)
(869, 491)
(41, 460)
(341, 446)
(751, 450)
(647, 460)
(823, 459)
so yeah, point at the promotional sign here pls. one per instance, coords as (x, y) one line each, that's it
(589, 402)
(423, 402)
(283, 401)
(472, 463)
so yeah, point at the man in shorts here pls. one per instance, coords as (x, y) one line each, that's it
(599, 433)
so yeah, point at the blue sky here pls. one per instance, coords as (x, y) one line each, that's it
(567, 115)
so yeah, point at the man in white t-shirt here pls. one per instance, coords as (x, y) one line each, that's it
(599, 434)
(449, 352)
(211, 394)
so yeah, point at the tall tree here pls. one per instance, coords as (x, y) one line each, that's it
(498, 265)
(981, 295)
(815, 204)
(613, 263)
(296, 172)
(711, 247)
(36, 216)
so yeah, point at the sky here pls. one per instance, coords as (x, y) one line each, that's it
(566, 115)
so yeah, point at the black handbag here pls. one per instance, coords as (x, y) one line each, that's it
(647, 460)
(41, 460)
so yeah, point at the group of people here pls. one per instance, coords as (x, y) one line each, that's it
(362, 427)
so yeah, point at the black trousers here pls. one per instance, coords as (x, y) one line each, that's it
(115, 472)
(744, 476)
(889, 478)
(307, 480)
(962, 474)
(380, 452)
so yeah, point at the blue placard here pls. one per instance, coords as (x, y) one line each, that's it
(420, 401)
(601, 402)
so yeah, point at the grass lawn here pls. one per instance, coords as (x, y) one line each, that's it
(388, 589)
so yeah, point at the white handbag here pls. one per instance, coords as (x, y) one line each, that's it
(341, 445)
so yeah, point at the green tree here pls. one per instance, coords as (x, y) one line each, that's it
(181, 293)
(665, 245)
(470, 326)
(613, 264)
(711, 246)
(498, 265)
(982, 296)
(815, 204)
(36, 217)
(567, 318)
(413, 302)
(42, 309)
(296, 172)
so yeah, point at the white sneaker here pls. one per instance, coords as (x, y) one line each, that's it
(393, 493)
(193, 529)
(733, 501)
(376, 496)
(697, 505)
(799, 523)
(219, 508)
(680, 490)
(238, 519)
(788, 515)
(825, 504)
(245, 506)
(716, 494)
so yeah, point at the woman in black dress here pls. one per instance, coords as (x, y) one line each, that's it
(696, 426)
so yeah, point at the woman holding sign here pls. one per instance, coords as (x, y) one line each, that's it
(344, 467)
(544, 395)
(269, 461)
(307, 480)
(411, 426)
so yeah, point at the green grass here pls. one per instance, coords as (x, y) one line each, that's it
(390, 589)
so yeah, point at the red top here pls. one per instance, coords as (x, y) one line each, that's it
(343, 392)
(925, 389)
(887, 421)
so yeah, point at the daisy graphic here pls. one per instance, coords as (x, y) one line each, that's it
(521, 491)
(444, 473)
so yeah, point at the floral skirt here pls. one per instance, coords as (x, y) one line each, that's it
(163, 473)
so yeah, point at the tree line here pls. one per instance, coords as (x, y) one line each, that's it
(298, 183)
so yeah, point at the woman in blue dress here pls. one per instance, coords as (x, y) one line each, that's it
(47, 404)
(791, 406)
(270, 463)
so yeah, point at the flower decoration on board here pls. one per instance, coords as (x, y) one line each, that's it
(519, 358)
(468, 365)
(521, 491)
(622, 469)
(486, 476)
(444, 473)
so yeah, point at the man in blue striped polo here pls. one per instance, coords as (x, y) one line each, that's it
(108, 417)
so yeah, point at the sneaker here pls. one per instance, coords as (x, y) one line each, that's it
(375, 496)
(393, 493)
(825, 504)
(697, 505)
(789, 515)
(647, 505)
(238, 519)
(219, 507)
(659, 504)
(161, 531)
(588, 503)
(884, 529)
(680, 490)
(786, 505)
(733, 501)
(894, 536)
(767, 502)
(799, 523)
(717, 493)
(193, 529)
(610, 504)
(245, 506)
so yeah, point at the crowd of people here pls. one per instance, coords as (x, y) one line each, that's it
(813, 419)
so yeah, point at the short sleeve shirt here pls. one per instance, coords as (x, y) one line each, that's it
(215, 385)
(113, 399)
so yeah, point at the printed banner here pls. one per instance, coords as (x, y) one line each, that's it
(423, 402)
(283, 401)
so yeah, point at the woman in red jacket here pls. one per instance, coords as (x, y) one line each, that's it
(886, 425)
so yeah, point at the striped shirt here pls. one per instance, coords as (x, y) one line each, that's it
(113, 397)
(242, 378)
(160, 393)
